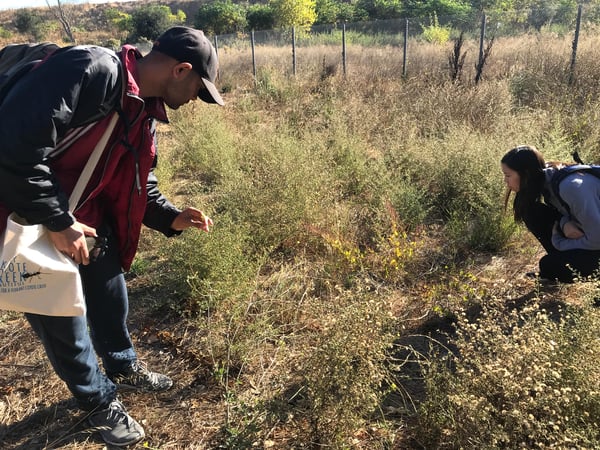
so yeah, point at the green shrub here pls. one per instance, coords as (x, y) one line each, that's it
(260, 17)
(118, 19)
(221, 17)
(150, 21)
(434, 32)
(208, 269)
(354, 339)
(4, 33)
(28, 21)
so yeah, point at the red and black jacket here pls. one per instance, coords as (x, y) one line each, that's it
(50, 121)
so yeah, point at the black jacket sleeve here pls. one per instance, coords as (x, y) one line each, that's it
(75, 86)
(160, 213)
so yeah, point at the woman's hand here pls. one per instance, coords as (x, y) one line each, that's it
(572, 230)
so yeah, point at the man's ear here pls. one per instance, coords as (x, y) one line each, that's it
(180, 70)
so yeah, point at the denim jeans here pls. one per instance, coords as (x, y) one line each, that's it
(72, 347)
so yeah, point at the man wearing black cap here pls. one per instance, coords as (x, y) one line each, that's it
(51, 120)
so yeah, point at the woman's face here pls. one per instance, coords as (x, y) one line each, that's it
(511, 178)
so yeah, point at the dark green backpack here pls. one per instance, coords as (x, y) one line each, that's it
(18, 59)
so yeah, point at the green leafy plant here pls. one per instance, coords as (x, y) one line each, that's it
(434, 32)
(150, 21)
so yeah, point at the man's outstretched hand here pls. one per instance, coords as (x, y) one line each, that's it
(192, 217)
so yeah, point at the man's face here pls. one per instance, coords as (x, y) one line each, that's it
(182, 88)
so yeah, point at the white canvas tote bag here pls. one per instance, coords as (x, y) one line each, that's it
(34, 276)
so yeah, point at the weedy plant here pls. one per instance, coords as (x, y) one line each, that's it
(342, 365)
(519, 378)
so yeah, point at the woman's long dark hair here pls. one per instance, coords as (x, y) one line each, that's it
(529, 163)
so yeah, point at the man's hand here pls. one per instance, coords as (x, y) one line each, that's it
(192, 217)
(71, 242)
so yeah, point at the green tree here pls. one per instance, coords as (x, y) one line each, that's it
(150, 21)
(260, 17)
(442, 8)
(348, 12)
(27, 21)
(545, 12)
(327, 11)
(221, 17)
(118, 20)
(334, 11)
(298, 13)
(382, 9)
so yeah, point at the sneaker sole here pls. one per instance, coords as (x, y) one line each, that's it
(115, 444)
(98, 429)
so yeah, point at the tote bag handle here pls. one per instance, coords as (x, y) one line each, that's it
(91, 164)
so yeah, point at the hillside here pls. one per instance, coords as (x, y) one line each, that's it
(87, 19)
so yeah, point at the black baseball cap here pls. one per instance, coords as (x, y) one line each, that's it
(189, 45)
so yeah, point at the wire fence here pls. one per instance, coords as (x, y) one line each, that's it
(400, 40)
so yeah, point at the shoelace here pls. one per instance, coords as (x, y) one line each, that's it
(140, 368)
(117, 410)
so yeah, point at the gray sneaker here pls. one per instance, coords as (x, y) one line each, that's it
(137, 376)
(115, 426)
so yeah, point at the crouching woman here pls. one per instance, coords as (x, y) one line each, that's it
(568, 227)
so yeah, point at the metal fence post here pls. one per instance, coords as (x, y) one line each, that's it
(405, 49)
(575, 42)
(294, 50)
(344, 47)
(217, 52)
(479, 66)
(253, 55)
(481, 38)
